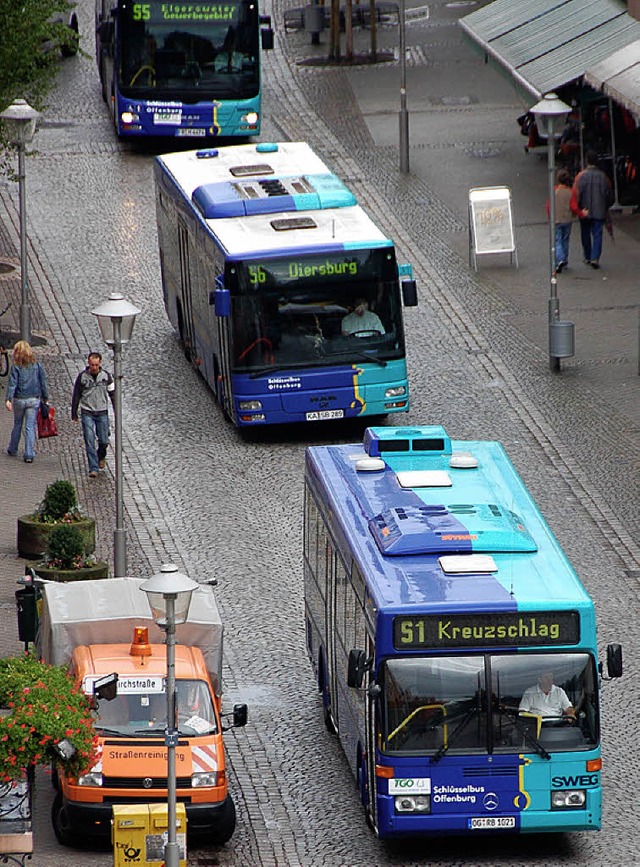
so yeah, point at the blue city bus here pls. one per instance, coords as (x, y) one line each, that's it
(286, 296)
(435, 597)
(182, 69)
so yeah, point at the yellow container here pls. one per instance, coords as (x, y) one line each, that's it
(129, 832)
(139, 834)
(157, 836)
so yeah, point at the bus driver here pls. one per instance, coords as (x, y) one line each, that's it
(547, 700)
(362, 321)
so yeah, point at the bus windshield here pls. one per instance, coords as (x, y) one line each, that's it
(319, 311)
(139, 712)
(189, 52)
(488, 703)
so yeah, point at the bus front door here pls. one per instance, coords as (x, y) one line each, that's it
(370, 720)
(185, 312)
(333, 564)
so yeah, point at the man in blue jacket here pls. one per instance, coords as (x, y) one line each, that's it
(93, 389)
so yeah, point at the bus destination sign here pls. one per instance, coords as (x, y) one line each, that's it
(498, 629)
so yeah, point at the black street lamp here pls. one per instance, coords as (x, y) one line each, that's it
(20, 126)
(169, 594)
(551, 115)
(116, 318)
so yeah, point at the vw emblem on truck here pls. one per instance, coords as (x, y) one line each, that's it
(147, 782)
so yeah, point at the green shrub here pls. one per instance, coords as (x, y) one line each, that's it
(66, 548)
(60, 499)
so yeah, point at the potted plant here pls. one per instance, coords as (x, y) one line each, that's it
(59, 506)
(42, 706)
(66, 558)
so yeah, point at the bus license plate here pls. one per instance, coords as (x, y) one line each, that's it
(324, 414)
(491, 822)
(191, 131)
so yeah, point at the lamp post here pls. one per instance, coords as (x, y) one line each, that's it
(116, 318)
(169, 594)
(404, 116)
(20, 125)
(551, 114)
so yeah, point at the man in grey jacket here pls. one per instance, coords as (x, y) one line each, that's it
(93, 389)
(593, 191)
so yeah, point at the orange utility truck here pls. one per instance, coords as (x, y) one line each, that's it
(103, 628)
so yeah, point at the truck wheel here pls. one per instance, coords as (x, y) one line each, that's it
(60, 822)
(226, 825)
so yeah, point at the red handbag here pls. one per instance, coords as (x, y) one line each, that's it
(46, 421)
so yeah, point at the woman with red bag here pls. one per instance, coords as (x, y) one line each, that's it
(27, 387)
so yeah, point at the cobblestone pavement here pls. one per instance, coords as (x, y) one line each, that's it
(199, 494)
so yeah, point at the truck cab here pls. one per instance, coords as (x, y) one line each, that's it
(130, 764)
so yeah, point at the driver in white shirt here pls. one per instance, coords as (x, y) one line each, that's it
(362, 321)
(545, 699)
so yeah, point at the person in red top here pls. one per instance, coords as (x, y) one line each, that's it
(566, 211)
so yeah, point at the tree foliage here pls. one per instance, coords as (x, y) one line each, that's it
(33, 35)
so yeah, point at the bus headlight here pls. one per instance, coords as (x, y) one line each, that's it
(244, 405)
(93, 778)
(396, 391)
(129, 117)
(206, 778)
(413, 804)
(251, 117)
(568, 799)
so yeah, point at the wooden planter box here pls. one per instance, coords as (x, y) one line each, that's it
(98, 570)
(33, 536)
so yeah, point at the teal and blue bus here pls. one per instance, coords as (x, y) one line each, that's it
(286, 296)
(437, 602)
(182, 69)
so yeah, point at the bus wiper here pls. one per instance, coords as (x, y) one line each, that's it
(363, 356)
(523, 730)
(454, 734)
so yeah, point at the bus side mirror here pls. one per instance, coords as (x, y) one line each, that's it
(356, 668)
(409, 293)
(221, 300)
(240, 715)
(614, 660)
(266, 39)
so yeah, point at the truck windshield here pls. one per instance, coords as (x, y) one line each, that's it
(134, 711)
(531, 702)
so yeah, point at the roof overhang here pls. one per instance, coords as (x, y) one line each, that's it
(545, 44)
(618, 76)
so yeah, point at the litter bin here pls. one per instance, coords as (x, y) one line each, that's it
(562, 339)
(27, 614)
(139, 834)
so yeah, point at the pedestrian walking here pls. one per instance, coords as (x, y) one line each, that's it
(594, 197)
(566, 210)
(26, 389)
(92, 390)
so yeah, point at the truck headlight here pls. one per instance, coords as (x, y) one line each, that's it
(206, 778)
(93, 778)
(568, 799)
(413, 803)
